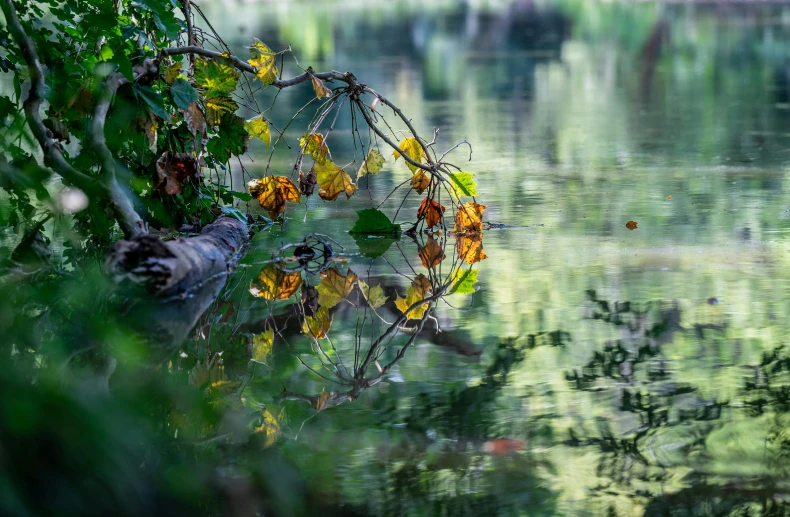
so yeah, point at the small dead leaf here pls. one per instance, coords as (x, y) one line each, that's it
(272, 192)
(334, 287)
(333, 181)
(631, 225)
(172, 169)
(420, 181)
(194, 119)
(469, 217)
(422, 285)
(503, 446)
(307, 183)
(322, 401)
(431, 211)
(275, 284)
(321, 91)
(431, 254)
(318, 324)
(669, 198)
(470, 247)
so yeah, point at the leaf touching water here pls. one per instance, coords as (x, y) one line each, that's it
(420, 286)
(372, 221)
(411, 147)
(275, 284)
(469, 217)
(431, 211)
(272, 192)
(463, 281)
(333, 181)
(431, 254)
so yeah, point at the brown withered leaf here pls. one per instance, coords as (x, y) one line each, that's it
(172, 169)
(318, 324)
(469, 247)
(194, 119)
(307, 183)
(323, 399)
(272, 192)
(469, 217)
(431, 211)
(422, 285)
(420, 181)
(321, 90)
(333, 181)
(431, 254)
(275, 284)
(334, 287)
(631, 225)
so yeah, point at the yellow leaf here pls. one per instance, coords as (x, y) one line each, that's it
(333, 181)
(270, 427)
(265, 62)
(318, 324)
(374, 295)
(372, 164)
(216, 106)
(262, 345)
(469, 217)
(431, 211)
(272, 192)
(431, 254)
(411, 147)
(420, 286)
(258, 127)
(323, 399)
(420, 181)
(314, 146)
(321, 90)
(470, 247)
(218, 75)
(172, 72)
(275, 284)
(334, 287)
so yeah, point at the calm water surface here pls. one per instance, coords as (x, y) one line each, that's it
(595, 370)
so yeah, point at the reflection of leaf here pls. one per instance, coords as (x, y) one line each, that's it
(275, 284)
(262, 345)
(272, 192)
(333, 181)
(320, 88)
(314, 146)
(374, 295)
(318, 324)
(411, 147)
(470, 247)
(374, 222)
(216, 75)
(323, 399)
(265, 62)
(217, 105)
(373, 246)
(420, 181)
(172, 169)
(431, 254)
(420, 286)
(463, 281)
(334, 287)
(469, 217)
(463, 184)
(270, 427)
(631, 225)
(372, 164)
(431, 211)
(258, 127)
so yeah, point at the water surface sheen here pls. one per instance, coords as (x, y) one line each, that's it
(595, 370)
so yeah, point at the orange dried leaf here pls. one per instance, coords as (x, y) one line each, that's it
(420, 181)
(469, 217)
(631, 225)
(431, 211)
(323, 400)
(470, 247)
(321, 90)
(272, 192)
(172, 169)
(275, 284)
(431, 254)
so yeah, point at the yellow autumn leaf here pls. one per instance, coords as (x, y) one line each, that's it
(470, 247)
(216, 106)
(218, 75)
(374, 295)
(275, 284)
(372, 164)
(264, 60)
(315, 147)
(318, 324)
(272, 192)
(334, 287)
(333, 181)
(172, 72)
(323, 400)
(262, 345)
(320, 88)
(419, 288)
(258, 127)
(420, 181)
(411, 147)
(469, 217)
(270, 427)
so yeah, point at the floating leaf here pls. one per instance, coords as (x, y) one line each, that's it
(374, 295)
(463, 281)
(463, 184)
(217, 106)
(217, 75)
(469, 217)
(333, 181)
(272, 192)
(194, 119)
(262, 345)
(631, 225)
(431, 211)
(314, 147)
(374, 246)
(258, 127)
(470, 247)
(372, 221)
(334, 287)
(411, 147)
(417, 291)
(318, 324)
(431, 254)
(372, 164)
(172, 72)
(172, 169)
(323, 399)
(420, 181)
(264, 60)
(275, 284)
(183, 93)
(270, 427)
(321, 90)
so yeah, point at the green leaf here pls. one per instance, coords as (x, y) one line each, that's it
(216, 75)
(232, 211)
(463, 281)
(372, 164)
(217, 106)
(374, 222)
(373, 246)
(375, 295)
(264, 60)
(183, 93)
(232, 139)
(463, 184)
(262, 345)
(154, 101)
(258, 127)
(243, 196)
(164, 19)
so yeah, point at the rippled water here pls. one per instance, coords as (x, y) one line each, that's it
(596, 370)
